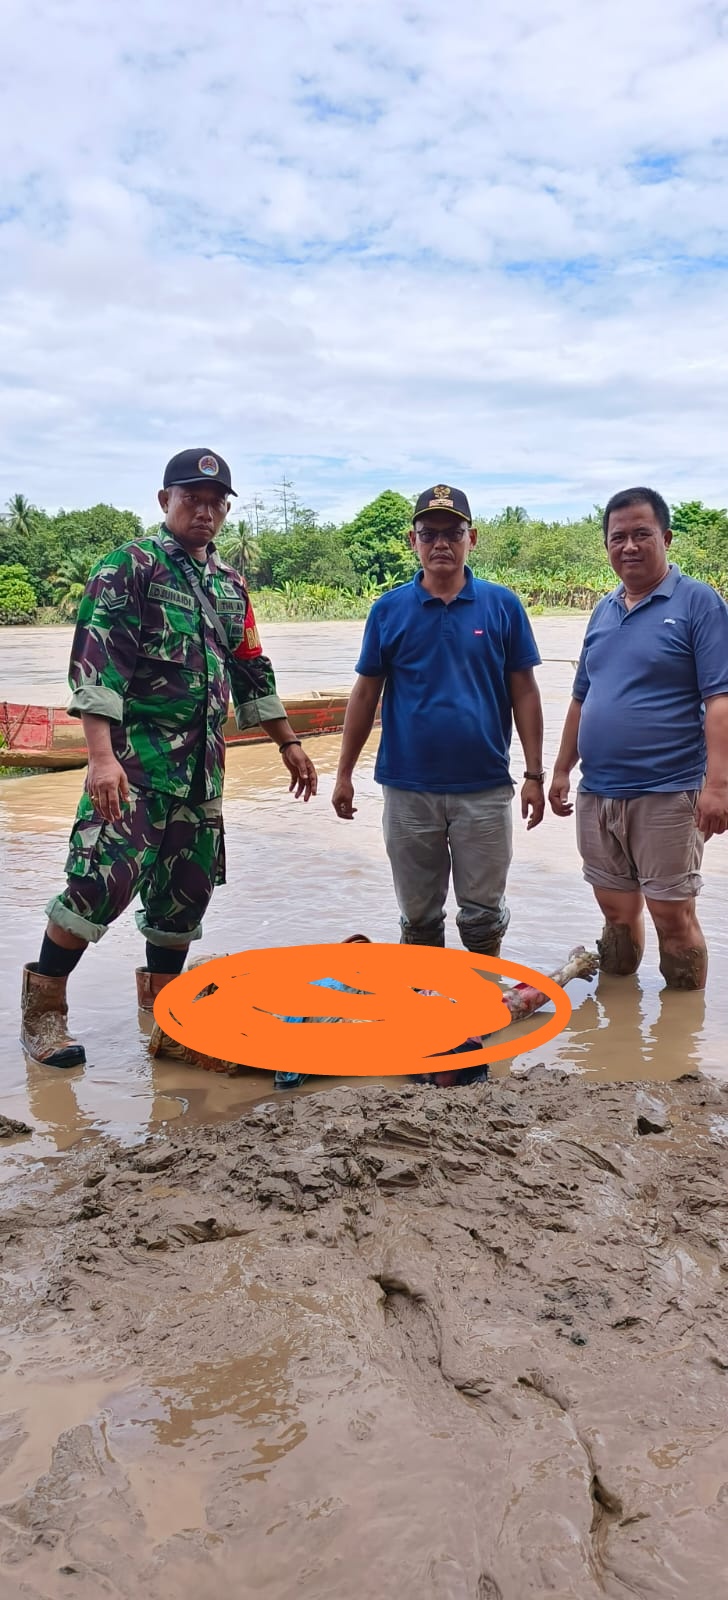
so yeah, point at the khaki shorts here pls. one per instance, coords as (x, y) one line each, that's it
(650, 843)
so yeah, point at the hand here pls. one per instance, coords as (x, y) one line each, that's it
(711, 811)
(342, 799)
(559, 794)
(533, 800)
(304, 778)
(107, 786)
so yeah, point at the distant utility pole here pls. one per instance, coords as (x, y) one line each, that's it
(283, 490)
(254, 510)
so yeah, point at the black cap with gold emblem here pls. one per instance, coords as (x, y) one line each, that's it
(198, 466)
(442, 498)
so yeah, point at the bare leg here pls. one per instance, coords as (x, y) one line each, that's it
(683, 953)
(622, 944)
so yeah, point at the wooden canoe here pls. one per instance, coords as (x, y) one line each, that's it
(46, 738)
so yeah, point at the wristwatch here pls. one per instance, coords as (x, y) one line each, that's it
(535, 777)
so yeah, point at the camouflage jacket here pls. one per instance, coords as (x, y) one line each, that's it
(144, 656)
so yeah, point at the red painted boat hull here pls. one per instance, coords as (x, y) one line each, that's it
(47, 737)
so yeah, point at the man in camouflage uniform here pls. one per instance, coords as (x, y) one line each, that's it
(150, 679)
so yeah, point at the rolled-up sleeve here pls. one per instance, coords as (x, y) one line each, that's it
(106, 638)
(251, 708)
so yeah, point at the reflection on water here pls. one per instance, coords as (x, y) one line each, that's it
(52, 1100)
(60, 1102)
(298, 875)
(622, 1028)
(256, 1392)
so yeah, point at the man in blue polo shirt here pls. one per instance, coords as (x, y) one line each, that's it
(649, 723)
(455, 658)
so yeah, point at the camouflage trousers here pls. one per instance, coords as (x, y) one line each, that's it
(171, 852)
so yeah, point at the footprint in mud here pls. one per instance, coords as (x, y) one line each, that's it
(449, 1582)
(362, 1425)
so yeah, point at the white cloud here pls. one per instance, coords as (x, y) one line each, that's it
(368, 245)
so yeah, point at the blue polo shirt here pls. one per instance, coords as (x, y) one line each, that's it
(446, 709)
(642, 680)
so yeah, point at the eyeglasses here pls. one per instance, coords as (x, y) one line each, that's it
(431, 535)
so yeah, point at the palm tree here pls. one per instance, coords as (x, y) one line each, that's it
(239, 546)
(20, 515)
(70, 580)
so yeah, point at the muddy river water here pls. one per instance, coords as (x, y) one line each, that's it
(354, 1344)
(298, 875)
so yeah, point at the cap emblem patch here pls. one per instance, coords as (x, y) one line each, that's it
(441, 496)
(209, 466)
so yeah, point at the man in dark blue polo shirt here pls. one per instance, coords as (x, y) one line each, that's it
(455, 658)
(649, 723)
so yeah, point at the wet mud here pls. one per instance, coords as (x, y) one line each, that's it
(454, 1345)
(10, 1127)
(370, 1339)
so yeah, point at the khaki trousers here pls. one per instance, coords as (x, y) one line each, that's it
(428, 838)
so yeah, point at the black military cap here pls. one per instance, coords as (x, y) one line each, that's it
(197, 466)
(441, 498)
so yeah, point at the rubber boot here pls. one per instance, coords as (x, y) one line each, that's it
(160, 1042)
(149, 985)
(44, 1034)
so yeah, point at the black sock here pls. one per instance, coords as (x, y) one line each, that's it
(55, 961)
(164, 958)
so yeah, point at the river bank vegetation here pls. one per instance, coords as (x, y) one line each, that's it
(299, 567)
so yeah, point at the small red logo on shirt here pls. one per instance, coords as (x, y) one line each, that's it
(477, 630)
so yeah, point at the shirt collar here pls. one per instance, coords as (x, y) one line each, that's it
(667, 587)
(175, 549)
(466, 593)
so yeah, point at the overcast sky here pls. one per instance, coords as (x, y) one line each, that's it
(368, 245)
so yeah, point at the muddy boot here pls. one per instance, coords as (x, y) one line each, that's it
(149, 985)
(44, 1009)
(160, 1044)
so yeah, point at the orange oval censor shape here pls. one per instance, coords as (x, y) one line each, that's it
(382, 1026)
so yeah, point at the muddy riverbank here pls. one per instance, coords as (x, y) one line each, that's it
(371, 1339)
(450, 1345)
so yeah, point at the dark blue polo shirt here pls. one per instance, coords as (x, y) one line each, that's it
(446, 710)
(642, 678)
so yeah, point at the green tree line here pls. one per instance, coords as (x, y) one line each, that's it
(298, 566)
